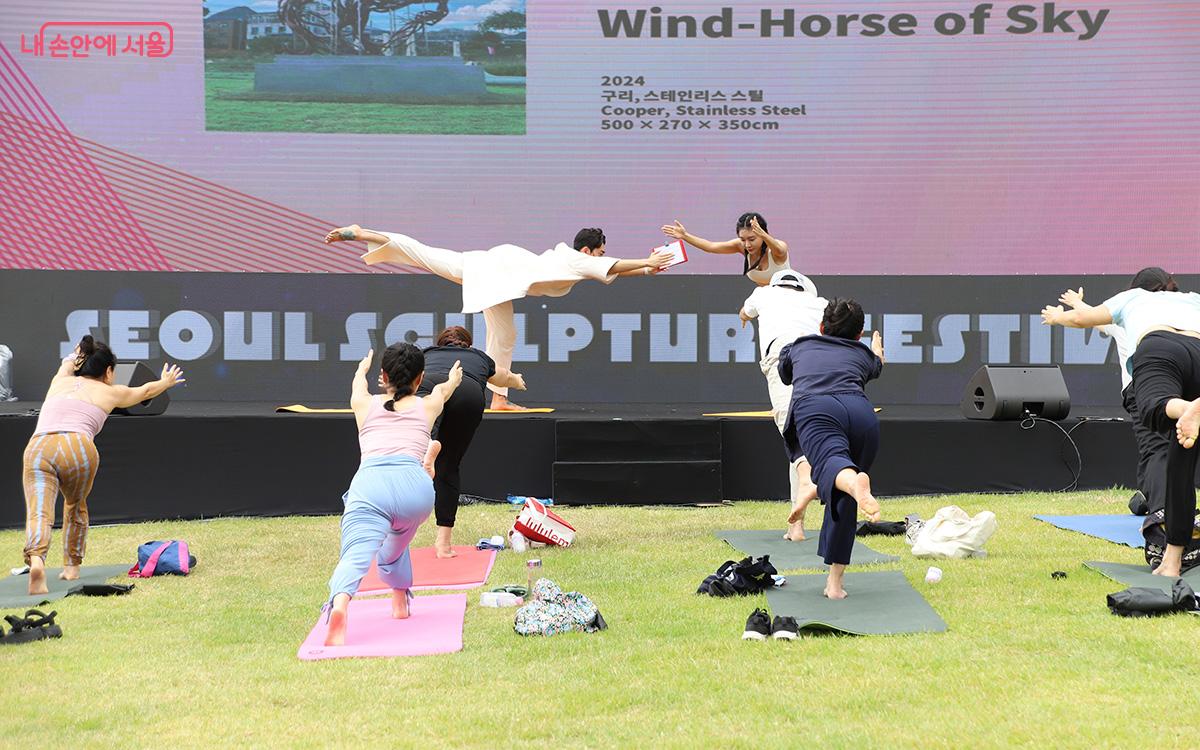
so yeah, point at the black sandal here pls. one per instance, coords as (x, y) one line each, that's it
(20, 632)
(44, 622)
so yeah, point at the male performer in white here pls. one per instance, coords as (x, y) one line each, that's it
(787, 309)
(492, 279)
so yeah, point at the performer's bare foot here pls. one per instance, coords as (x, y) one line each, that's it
(431, 454)
(1188, 425)
(37, 575)
(442, 546)
(1172, 562)
(861, 493)
(69, 573)
(337, 621)
(343, 234)
(833, 585)
(796, 519)
(501, 403)
(400, 604)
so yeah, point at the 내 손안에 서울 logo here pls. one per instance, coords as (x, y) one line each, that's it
(79, 39)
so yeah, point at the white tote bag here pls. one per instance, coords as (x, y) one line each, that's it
(951, 533)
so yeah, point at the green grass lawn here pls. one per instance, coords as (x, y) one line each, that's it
(223, 112)
(210, 660)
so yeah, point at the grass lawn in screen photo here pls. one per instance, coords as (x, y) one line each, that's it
(229, 87)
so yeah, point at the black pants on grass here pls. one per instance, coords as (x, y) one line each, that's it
(455, 429)
(1166, 366)
(1152, 455)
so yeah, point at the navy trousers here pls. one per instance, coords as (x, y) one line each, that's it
(835, 433)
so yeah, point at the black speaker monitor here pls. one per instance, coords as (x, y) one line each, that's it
(133, 374)
(1010, 392)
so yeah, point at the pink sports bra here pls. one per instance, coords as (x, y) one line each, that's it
(394, 433)
(62, 414)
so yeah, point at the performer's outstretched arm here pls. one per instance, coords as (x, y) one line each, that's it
(436, 401)
(655, 263)
(728, 247)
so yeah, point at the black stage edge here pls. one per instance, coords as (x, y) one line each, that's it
(201, 460)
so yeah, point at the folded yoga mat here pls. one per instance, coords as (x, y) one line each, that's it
(434, 626)
(882, 603)
(467, 571)
(766, 414)
(1120, 529)
(302, 409)
(787, 555)
(13, 589)
(1140, 575)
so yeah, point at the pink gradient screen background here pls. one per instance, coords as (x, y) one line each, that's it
(994, 154)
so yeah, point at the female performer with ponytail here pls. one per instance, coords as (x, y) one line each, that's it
(61, 455)
(391, 493)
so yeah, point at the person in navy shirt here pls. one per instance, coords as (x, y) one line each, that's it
(832, 423)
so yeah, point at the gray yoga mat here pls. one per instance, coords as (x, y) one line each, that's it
(1140, 575)
(881, 603)
(13, 589)
(787, 555)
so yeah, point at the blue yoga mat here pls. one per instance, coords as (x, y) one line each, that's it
(1120, 529)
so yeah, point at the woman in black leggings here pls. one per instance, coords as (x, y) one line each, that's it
(1166, 385)
(460, 417)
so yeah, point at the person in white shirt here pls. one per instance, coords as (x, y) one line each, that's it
(492, 279)
(1152, 446)
(1164, 327)
(786, 309)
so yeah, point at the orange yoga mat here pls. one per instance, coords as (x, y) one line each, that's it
(467, 571)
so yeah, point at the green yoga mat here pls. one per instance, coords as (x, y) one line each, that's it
(882, 603)
(1140, 575)
(787, 555)
(13, 589)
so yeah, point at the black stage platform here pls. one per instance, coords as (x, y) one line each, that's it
(201, 460)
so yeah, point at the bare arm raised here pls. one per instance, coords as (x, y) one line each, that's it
(436, 400)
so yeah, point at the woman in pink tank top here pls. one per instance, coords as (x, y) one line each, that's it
(61, 456)
(391, 494)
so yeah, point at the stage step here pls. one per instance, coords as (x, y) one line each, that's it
(638, 440)
(636, 461)
(637, 482)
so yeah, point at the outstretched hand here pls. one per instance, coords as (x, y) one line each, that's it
(365, 363)
(456, 375)
(877, 344)
(1052, 314)
(675, 230)
(660, 260)
(172, 375)
(1072, 298)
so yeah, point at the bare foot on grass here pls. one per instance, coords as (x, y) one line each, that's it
(400, 604)
(1188, 425)
(69, 573)
(37, 576)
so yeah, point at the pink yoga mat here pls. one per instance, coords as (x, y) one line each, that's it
(435, 626)
(467, 571)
